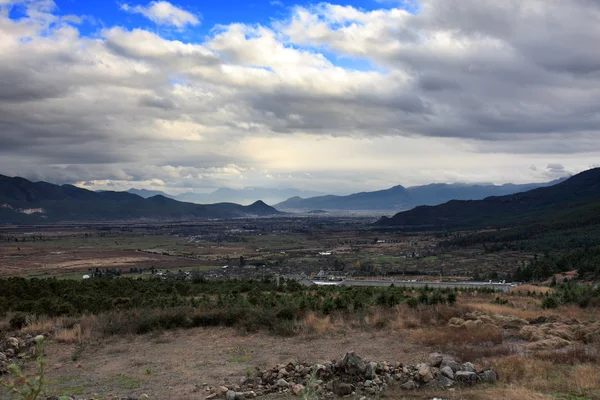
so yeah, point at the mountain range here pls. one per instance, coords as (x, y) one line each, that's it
(23, 201)
(575, 200)
(239, 196)
(401, 198)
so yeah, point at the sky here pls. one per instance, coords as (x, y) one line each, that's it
(333, 97)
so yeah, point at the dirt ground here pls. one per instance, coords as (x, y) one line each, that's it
(44, 262)
(175, 365)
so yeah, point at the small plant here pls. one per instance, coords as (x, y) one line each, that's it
(28, 388)
(148, 371)
(310, 392)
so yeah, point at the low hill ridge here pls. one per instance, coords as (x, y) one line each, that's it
(581, 190)
(23, 201)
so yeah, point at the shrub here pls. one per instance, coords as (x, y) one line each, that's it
(550, 302)
(18, 321)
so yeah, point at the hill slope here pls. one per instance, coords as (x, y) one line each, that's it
(23, 201)
(575, 196)
(400, 198)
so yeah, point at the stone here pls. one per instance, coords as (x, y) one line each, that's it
(230, 395)
(440, 382)
(435, 360)
(488, 376)
(469, 367)
(447, 372)
(353, 364)
(456, 322)
(466, 377)
(368, 383)
(282, 383)
(211, 396)
(250, 394)
(3, 357)
(12, 343)
(342, 388)
(239, 396)
(371, 370)
(425, 374)
(410, 385)
(297, 389)
(450, 363)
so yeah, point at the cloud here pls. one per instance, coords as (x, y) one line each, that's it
(472, 90)
(164, 13)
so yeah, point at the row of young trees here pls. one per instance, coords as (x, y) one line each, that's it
(53, 297)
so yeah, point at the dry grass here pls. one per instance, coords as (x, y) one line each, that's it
(510, 393)
(42, 325)
(477, 393)
(573, 355)
(442, 337)
(525, 289)
(475, 353)
(316, 324)
(548, 377)
(76, 334)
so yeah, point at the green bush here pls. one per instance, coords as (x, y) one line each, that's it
(550, 302)
(18, 321)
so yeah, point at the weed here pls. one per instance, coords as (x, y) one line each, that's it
(127, 382)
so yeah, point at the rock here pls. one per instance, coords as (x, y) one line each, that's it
(283, 373)
(239, 396)
(440, 382)
(456, 322)
(488, 376)
(250, 395)
(10, 353)
(297, 389)
(353, 364)
(282, 383)
(447, 372)
(469, 367)
(473, 324)
(368, 383)
(342, 388)
(435, 360)
(3, 357)
(425, 373)
(450, 363)
(12, 343)
(371, 370)
(143, 396)
(220, 390)
(230, 395)
(466, 377)
(410, 385)
(211, 396)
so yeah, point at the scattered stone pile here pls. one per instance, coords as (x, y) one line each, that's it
(13, 348)
(353, 375)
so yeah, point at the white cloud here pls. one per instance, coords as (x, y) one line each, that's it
(450, 97)
(164, 13)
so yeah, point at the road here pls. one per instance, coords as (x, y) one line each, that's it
(382, 283)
